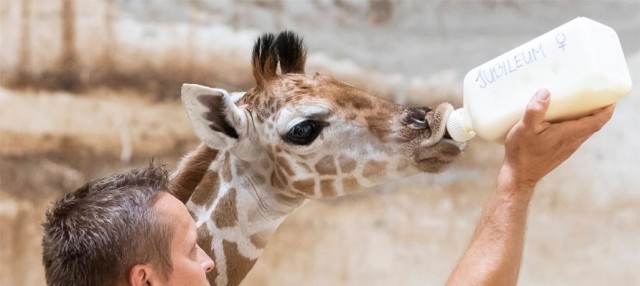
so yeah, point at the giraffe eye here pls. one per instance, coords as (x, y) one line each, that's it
(304, 132)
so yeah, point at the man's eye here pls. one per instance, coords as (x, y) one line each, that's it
(304, 132)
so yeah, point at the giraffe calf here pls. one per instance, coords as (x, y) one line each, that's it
(290, 138)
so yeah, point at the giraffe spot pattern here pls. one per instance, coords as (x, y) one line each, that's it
(258, 179)
(207, 190)
(379, 124)
(226, 214)
(241, 167)
(350, 184)
(305, 186)
(354, 101)
(241, 264)
(374, 169)
(326, 166)
(347, 165)
(259, 240)
(327, 187)
(197, 164)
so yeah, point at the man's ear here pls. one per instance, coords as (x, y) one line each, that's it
(142, 275)
(216, 119)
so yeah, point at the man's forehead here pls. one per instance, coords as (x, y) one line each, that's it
(174, 212)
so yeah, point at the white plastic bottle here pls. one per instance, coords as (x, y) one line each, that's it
(581, 63)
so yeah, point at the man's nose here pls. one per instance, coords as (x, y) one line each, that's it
(206, 261)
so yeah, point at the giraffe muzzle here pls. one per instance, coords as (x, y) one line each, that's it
(434, 150)
(436, 120)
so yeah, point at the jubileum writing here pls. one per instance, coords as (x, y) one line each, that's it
(509, 65)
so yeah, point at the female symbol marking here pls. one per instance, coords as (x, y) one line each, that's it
(561, 40)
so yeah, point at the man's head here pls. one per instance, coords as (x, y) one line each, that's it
(123, 229)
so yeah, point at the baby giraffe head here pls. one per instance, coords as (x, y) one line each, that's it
(314, 136)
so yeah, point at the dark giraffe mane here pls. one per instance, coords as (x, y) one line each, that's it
(287, 49)
(291, 52)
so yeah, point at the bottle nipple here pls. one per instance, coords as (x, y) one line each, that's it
(459, 126)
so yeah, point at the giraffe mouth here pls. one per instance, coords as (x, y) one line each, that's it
(437, 120)
(439, 156)
(436, 152)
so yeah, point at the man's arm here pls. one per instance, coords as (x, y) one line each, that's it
(533, 149)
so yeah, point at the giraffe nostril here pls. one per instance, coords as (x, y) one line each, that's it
(418, 116)
(418, 113)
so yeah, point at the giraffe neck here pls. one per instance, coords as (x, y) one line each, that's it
(235, 210)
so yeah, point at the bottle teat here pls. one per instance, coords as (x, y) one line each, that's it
(459, 126)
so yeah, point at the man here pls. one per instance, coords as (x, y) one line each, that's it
(123, 230)
(93, 236)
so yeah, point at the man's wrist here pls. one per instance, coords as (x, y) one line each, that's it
(511, 185)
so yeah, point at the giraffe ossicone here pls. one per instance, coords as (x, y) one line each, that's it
(290, 138)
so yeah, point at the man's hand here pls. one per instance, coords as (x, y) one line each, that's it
(535, 147)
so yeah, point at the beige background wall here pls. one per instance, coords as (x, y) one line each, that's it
(129, 57)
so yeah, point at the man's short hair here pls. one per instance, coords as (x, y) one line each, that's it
(96, 234)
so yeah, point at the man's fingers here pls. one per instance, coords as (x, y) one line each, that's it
(604, 115)
(537, 108)
(586, 126)
(594, 122)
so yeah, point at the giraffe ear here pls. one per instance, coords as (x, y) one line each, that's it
(216, 119)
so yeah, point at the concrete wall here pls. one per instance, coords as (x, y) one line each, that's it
(584, 227)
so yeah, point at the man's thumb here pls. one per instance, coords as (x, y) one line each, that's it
(537, 108)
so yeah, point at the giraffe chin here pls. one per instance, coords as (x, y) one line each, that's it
(437, 158)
